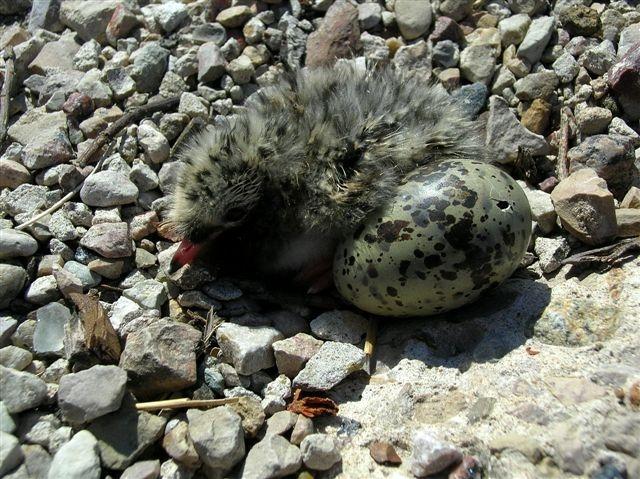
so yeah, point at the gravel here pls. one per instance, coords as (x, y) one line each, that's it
(274, 456)
(78, 458)
(21, 391)
(319, 452)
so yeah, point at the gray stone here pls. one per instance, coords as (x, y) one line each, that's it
(249, 349)
(13, 174)
(446, 53)
(179, 445)
(628, 38)
(430, 455)
(8, 324)
(536, 85)
(48, 336)
(170, 15)
(566, 67)
(281, 423)
(15, 358)
(241, 69)
(593, 120)
(211, 62)
(61, 227)
(319, 451)
(20, 391)
(12, 280)
(161, 357)
(15, 243)
(192, 106)
(536, 39)
(329, 366)
(88, 19)
(222, 290)
(513, 29)
(7, 424)
(25, 199)
(542, 210)
(619, 127)
(413, 18)
(218, 437)
(598, 60)
(276, 394)
(89, 394)
(341, 326)
(45, 14)
(77, 459)
(11, 456)
(551, 252)
(234, 17)
(478, 62)
(253, 31)
(274, 456)
(55, 57)
(121, 84)
(149, 66)
(369, 15)
(302, 428)
(125, 434)
(472, 98)
(149, 294)
(505, 134)
(414, 58)
(585, 207)
(108, 188)
(149, 469)
(88, 56)
(87, 278)
(153, 142)
(42, 290)
(111, 240)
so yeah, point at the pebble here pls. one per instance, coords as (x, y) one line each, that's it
(337, 36)
(630, 200)
(13, 174)
(15, 358)
(77, 459)
(161, 357)
(551, 252)
(252, 415)
(153, 142)
(7, 423)
(87, 278)
(88, 20)
(20, 391)
(536, 118)
(536, 39)
(48, 335)
(329, 366)
(179, 446)
(149, 469)
(319, 452)
(12, 280)
(87, 57)
(478, 63)
(15, 244)
(274, 456)
(149, 294)
(248, 348)
(253, 31)
(89, 394)
(192, 106)
(241, 69)
(446, 53)
(513, 29)
(619, 127)
(593, 120)
(611, 156)
(413, 18)
(629, 36)
(276, 394)
(149, 66)
(430, 455)
(218, 437)
(125, 434)
(505, 133)
(8, 326)
(472, 98)
(211, 63)
(598, 60)
(121, 84)
(11, 455)
(580, 20)
(628, 221)
(536, 85)
(369, 15)
(170, 15)
(281, 422)
(341, 326)
(302, 428)
(566, 67)
(293, 353)
(234, 17)
(108, 188)
(57, 55)
(585, 207)
(111, 240)
(384, 453)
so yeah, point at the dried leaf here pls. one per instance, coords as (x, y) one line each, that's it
(312, 406)
(99, 335)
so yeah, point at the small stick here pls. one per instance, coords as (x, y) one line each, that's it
(5, 96)
(563, 149)
(184, 403)
(370, 342)
(100, 141)
(195, 122)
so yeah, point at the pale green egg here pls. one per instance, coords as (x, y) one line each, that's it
(453, 230)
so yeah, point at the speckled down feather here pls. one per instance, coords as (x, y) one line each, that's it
(315, 155)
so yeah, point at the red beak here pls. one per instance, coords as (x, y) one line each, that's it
(187, 252)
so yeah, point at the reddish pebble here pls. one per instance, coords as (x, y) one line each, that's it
(549, 184)
(446, 29)
(384, 453)
(78, 105)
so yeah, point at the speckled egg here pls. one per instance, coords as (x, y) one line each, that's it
(453, 230)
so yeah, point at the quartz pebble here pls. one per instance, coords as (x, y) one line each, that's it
(331, 364)
(77, 459)
(430, 455)
(248, 348)
(319, 452)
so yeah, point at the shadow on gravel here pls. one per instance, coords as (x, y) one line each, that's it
(484, 331)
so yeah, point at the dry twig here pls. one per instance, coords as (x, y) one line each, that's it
(5, 96)
(99, 142)
(607, 255)
(184, 403)
(562, 166)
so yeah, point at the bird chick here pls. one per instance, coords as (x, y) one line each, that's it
(306, 162)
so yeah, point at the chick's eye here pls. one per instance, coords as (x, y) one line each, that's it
(234, 214)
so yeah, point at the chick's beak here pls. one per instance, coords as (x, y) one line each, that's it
(187, 252)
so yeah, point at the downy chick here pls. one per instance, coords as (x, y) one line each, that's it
(305, 164)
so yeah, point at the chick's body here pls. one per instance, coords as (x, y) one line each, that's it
(309, 159)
